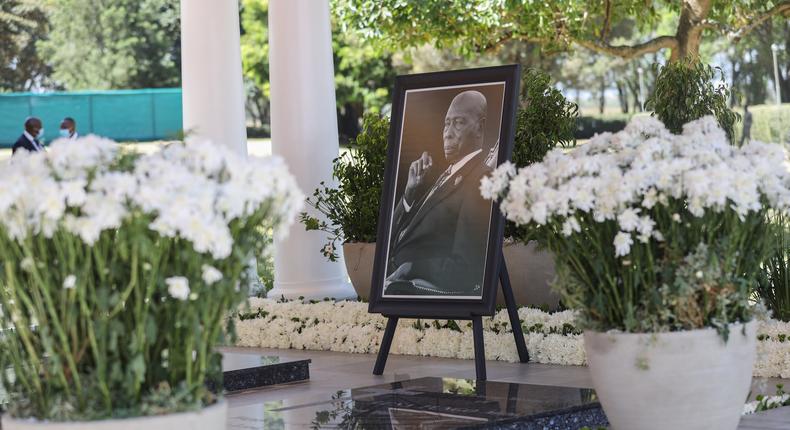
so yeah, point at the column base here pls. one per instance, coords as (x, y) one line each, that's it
(337, 289)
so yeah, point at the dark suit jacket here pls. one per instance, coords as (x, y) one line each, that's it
(23, 143)
(444, 237)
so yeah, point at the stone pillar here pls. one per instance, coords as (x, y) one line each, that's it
(213, 92)
(304, 133)
(212, 80)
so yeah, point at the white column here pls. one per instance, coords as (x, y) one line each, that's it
(304, 133)
(213, 92)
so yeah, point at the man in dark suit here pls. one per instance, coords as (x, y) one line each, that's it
(30, 138)
(440, 230)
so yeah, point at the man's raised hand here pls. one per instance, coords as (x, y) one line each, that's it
(417, 171)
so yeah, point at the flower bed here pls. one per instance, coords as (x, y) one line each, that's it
(552, 338)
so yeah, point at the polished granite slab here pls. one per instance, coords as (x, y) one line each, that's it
(245, 371)
(429, 403)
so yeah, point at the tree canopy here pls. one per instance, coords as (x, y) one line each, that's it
(474, 26)
(23, 23)
(105, 44)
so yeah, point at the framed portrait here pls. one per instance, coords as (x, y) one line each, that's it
(439, 242)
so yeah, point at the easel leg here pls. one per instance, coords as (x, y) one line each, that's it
(386, 342)
(512, 312)
(480, 353)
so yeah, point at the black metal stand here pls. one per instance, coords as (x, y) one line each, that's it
(477, 331)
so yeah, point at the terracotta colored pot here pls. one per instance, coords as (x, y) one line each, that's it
(359, 265)
(531, 272)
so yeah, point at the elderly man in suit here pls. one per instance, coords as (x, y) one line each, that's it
(30, 138)
(440, 229)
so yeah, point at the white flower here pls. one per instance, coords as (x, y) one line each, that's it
(210, 274)
(27, 264)
(492, 186)
(70, 282)
(676, 217)
(645, 228)
(570, 226)
(622, 244)
(628, 219)
(178, 287)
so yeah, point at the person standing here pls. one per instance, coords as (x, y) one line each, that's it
(68, 128)
(30, 139)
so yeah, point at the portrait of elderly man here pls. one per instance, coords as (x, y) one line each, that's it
(439, 229)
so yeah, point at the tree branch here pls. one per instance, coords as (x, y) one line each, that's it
(627, 52)
(498, 43)
(606, 22)
(756, 21)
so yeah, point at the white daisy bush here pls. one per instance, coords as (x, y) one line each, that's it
(652, 231)
(108, 259)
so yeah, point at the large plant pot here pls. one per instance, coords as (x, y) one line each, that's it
(681, 380)
(359, 265)
(213, 417)
(531, 272)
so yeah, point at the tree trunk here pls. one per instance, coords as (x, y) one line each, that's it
(633, 86)
(689, 33)
(622, 96)
(602, 97)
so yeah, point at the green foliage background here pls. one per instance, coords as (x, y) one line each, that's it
(109, 44)
(686, 91)
(23, 23)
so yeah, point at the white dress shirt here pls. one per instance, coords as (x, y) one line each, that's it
(32, 141)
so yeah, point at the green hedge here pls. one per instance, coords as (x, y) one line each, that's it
(589, 126)
(770, 123)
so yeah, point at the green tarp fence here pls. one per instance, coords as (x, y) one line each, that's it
(122, 115)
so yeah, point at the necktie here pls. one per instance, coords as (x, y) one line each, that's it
(442, 179)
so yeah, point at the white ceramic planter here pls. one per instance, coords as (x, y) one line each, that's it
(681, 381)
(213, 417)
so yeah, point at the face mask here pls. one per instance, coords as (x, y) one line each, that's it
(40, 134)
(64, 132)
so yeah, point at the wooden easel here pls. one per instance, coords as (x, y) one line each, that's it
(477, 330)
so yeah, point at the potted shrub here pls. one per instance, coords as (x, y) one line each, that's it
(350, 210)
(658, 240)
(118, 273)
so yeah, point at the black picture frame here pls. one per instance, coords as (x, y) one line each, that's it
(441, 307)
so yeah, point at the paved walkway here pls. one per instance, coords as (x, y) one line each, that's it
(331, 372)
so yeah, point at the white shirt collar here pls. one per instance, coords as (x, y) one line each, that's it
(457, 166)
(32, 140)
(30, 137)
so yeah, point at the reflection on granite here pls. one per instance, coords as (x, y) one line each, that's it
(243, 371)
(431, 403)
